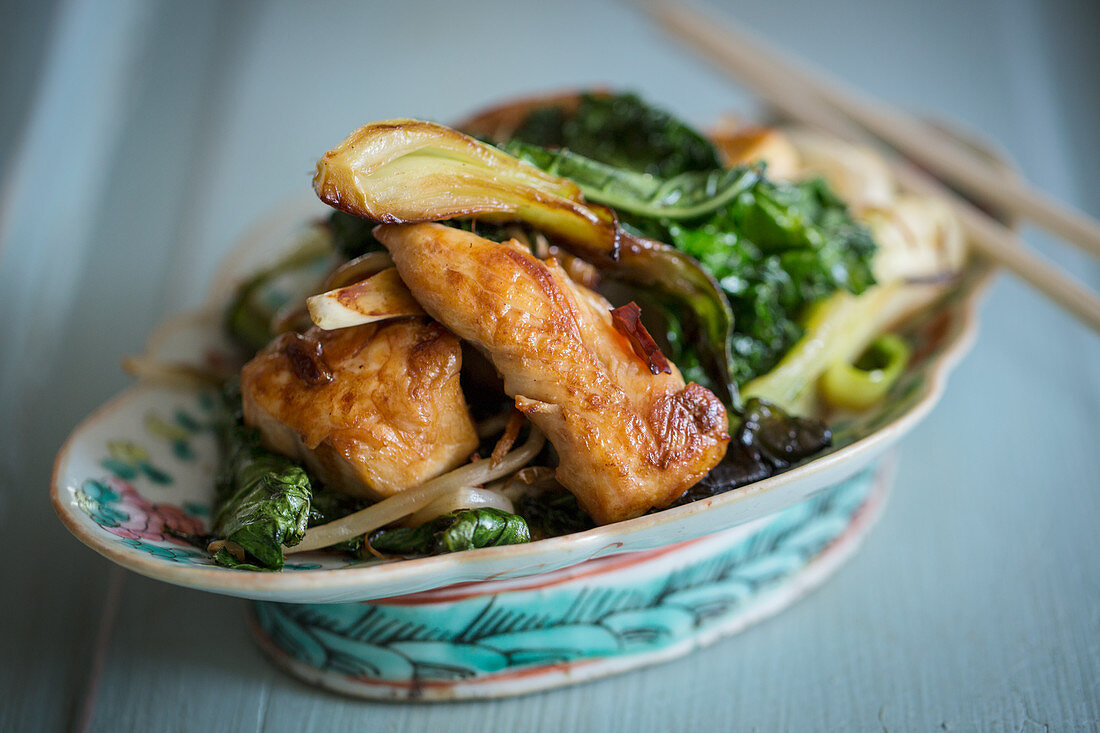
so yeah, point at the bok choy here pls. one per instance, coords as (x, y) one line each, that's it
(465, 529)
(263, 499)
(405, 171)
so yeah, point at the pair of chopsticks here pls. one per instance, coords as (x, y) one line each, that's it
(816, 100)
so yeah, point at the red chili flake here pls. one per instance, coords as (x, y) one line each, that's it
(628, 322)
(307, 360)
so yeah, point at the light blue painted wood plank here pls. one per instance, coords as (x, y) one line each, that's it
(23, 48)
(181, 660)
(53, 590)
(86, 245)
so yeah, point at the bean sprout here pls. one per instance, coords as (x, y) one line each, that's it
(410, 501)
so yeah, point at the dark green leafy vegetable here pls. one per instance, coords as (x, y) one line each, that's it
(767, 441)
(328, 506)
(689, 195)
(623, 131)
(486, 230)
(351, 236)
(264, 503)
(262, 499)
(553, 513)
(782, 439)
(778, 248)
(465, 529)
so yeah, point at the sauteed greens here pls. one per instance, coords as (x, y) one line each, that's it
(622, 131)
(263, 499)
(466, 529)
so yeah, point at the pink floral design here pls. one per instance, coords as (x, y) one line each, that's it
(117, 507)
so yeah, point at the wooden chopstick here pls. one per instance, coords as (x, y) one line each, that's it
(941, 154)
(970, 173)
(758, 69)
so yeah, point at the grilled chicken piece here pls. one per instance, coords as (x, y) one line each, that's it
(627, 439)
(371, 410)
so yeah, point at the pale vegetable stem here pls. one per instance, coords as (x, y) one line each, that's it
(399, 505)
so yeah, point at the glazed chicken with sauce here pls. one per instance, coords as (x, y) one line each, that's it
(370, 410)
(628, 440)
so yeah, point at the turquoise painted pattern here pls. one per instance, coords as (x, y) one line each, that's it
(601, 616)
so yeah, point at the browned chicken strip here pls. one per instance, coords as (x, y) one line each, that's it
(370, 410)
(627, 439)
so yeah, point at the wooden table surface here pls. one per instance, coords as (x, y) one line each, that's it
(138, 139)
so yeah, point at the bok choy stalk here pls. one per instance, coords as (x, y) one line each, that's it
(405, 171)
(836, 331)
(465, 529)
(865, 381)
